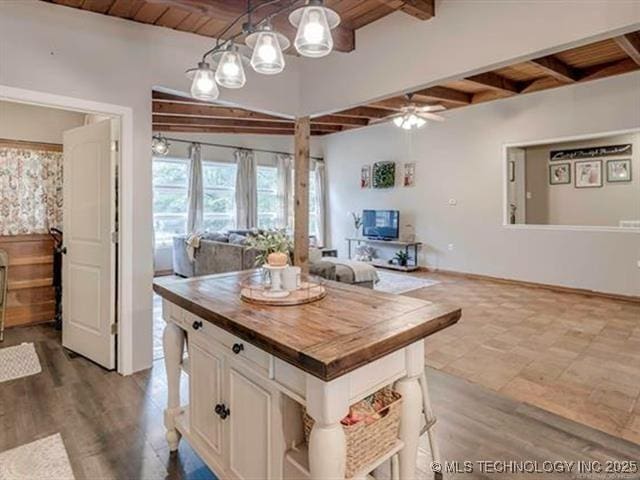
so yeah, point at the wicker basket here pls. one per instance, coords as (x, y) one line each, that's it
(368, 442)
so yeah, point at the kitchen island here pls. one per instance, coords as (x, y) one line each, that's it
(252, 369)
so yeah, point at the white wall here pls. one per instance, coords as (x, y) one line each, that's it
(30, 123)
(462, 158)
(66, 51)
(398, 53)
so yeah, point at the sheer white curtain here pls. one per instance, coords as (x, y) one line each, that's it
(195, 199)
(285, 189)
(320, 181)
(246, 189)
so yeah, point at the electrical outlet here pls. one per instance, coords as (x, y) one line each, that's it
(450, 247)
(529, 196)
(453, 202)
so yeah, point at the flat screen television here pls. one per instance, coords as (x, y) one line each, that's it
(381, 224)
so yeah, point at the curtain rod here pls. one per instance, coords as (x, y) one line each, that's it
(179, 140)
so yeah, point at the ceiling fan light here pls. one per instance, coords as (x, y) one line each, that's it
(160, 145)
(204, 85)
(230, 72)
(398, 121)
(420, 122)
(267, 47)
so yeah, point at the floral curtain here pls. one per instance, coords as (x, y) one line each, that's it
(30, 190)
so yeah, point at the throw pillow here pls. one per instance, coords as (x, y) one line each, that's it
(315, 255)
(236, 239)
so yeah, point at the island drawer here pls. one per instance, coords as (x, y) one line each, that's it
(234, 346)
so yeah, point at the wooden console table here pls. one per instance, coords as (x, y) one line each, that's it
(412, 263)
(252, 368)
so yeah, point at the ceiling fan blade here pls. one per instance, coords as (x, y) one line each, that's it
(431, 116)
(388, 118)
(431, 108)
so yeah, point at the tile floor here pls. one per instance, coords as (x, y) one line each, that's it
(574, 355)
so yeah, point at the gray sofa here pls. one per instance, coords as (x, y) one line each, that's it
(212, 257)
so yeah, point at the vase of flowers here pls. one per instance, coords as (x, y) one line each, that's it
(357, 223)
(273, 246)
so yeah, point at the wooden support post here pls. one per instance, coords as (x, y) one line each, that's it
(301, 195)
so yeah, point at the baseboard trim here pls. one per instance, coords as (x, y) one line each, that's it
(555, 288)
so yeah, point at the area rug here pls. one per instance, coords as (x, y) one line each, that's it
(44, 459)
(401, 283)
(18, 361)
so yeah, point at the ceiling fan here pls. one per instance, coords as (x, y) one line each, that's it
(412, 115)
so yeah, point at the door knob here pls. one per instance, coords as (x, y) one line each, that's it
(197, 325)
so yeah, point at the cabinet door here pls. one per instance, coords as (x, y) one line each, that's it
(250, 427)
(205, 393)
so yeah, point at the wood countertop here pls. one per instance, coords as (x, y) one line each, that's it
(350, 327)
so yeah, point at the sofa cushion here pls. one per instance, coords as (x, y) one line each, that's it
(216, 236)
(237, 239)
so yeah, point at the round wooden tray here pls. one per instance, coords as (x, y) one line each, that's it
(307, 293)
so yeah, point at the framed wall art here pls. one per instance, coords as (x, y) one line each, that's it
(384, 174)
(560, 174)
(588, 174)
(365, 176)
(409, 175)
(619, 170)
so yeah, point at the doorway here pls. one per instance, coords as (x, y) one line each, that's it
(60, 175)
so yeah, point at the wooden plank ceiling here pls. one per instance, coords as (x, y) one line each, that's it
(602, 59)
(210, 17)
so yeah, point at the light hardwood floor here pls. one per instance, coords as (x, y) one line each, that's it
(112, 425)
(574, 355)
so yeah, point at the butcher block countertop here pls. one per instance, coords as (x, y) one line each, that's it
(351, 327)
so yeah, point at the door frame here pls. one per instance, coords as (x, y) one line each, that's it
(124, 308)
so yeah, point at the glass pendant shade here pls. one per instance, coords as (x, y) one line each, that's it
(314, 22)
(204, 85)
(230, 72)
(267, 47)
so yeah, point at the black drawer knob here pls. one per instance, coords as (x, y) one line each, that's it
(222, 411)
(197, 325)
(237, 348)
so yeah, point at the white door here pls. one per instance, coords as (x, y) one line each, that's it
(88, 306)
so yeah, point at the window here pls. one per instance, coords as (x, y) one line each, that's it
(170, 193)
(268, 202)
(219, 182)
(170, 180)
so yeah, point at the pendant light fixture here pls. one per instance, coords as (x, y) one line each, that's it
(160, 145)
(230, 71)
(203, 85)
(267, 45)
(314, 22)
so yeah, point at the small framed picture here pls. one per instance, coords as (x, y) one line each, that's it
(588, 174)
(619, 170)
(559, 174)
(512, 171)
(409, 174)
(365, 176)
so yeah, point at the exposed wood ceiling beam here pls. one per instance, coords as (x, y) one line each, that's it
(495, 82)
(442, 94)
(630, 43)
(238, 130)
(396, 103)
(422, 9)
(211, 111)
(557, 69)
(363, 112)
(228, 10)
(338, 120)
(227, 122)
(615, 68)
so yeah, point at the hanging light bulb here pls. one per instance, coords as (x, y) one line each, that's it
(267, 46)
(203, 85)
(314, 22)
(160, 145)
(230, 72)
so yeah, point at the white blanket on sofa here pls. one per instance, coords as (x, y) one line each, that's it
(362, 272)
(193, 243)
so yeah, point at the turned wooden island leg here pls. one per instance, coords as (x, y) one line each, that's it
(411, 411)
(327, 404)
(173, 344)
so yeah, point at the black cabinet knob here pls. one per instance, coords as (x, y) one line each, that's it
(237, 348)
(222, 411)
(197, 324)
(218, 409)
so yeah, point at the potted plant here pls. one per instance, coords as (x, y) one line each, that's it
(402, 258)
(273, 247)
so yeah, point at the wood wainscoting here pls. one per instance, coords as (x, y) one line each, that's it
(30, 292)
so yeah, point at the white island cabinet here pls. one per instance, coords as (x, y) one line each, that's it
(251, 369)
